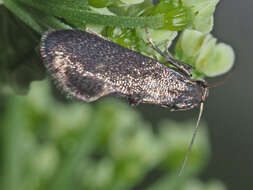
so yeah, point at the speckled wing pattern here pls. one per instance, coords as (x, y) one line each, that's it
(88, 67)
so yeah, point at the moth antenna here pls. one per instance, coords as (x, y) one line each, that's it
(227, 76)
(192, 140)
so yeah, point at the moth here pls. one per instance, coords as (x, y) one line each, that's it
(88, 67)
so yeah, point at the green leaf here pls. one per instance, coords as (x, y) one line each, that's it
(23, 14)
(84, 16)
(19, 63)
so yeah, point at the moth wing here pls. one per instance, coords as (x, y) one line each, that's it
(88, 67)
(86, 88)
(61, 52)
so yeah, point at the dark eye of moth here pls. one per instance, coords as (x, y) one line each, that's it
(88, 67)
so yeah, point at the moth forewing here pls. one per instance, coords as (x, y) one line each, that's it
(89, 67)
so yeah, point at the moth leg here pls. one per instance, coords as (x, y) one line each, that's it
(132, 102)
(202, 82)
(183, 67)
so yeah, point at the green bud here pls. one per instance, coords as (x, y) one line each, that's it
(204, 53)
(203, 11)
(221, 61)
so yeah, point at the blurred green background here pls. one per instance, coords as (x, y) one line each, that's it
(48, 142)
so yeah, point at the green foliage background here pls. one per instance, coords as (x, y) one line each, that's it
(47, 143)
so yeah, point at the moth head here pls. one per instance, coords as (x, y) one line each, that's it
(204, 94)
(196, 93)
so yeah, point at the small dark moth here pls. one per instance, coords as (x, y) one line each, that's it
(88, 67)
